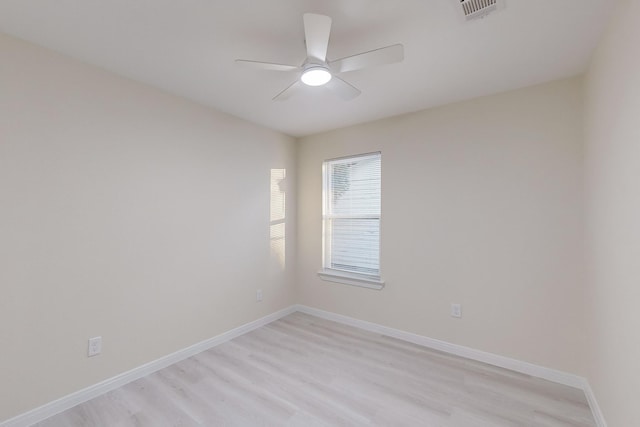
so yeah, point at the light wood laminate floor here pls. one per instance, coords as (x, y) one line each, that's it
(306, 371)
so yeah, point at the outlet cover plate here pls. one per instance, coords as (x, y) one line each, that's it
(456, 310)
(95, 346)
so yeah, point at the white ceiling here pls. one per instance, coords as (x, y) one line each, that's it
(188, 47)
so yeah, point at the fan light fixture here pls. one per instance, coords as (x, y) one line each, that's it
(317, 71)
(316, 76)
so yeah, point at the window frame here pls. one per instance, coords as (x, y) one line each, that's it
(341, 276)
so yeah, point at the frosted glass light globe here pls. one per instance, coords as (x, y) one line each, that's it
(316, 76)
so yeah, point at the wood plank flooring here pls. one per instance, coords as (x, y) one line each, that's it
(306, 371)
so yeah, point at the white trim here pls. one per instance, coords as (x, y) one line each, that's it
(527, 368)
(67, 402)
(52, 408)
(593, 404)
(351, 279)
(355, 156)
(458, 350)
(328, 216)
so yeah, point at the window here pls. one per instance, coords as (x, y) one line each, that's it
(351, 220)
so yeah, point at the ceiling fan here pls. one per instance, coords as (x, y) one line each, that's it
(316, 70)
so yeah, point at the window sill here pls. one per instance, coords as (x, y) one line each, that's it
(351, 279)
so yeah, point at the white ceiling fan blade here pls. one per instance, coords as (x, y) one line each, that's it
(267, 65)
(343, 89)
(384, 55)
(317, 29)
(291, 90)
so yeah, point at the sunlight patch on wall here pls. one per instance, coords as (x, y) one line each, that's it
(277, 218)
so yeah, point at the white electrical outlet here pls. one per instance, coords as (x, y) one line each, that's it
(95, 346)
(456, 310)
(259, 295)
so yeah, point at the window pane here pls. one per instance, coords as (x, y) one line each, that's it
(352, 214)
(355, 245)
(355, 187)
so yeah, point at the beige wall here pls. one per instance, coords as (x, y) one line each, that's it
(613, 217)
(482, 205)
(126, 213)
(147, 219)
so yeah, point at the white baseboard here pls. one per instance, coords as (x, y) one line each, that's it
(527, 368)
(48, 410)
(593, 403)
(466, 352)
(68, 402)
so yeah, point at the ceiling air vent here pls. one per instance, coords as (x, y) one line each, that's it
(473, 9)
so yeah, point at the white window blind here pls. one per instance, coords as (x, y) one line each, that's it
(351, 214)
